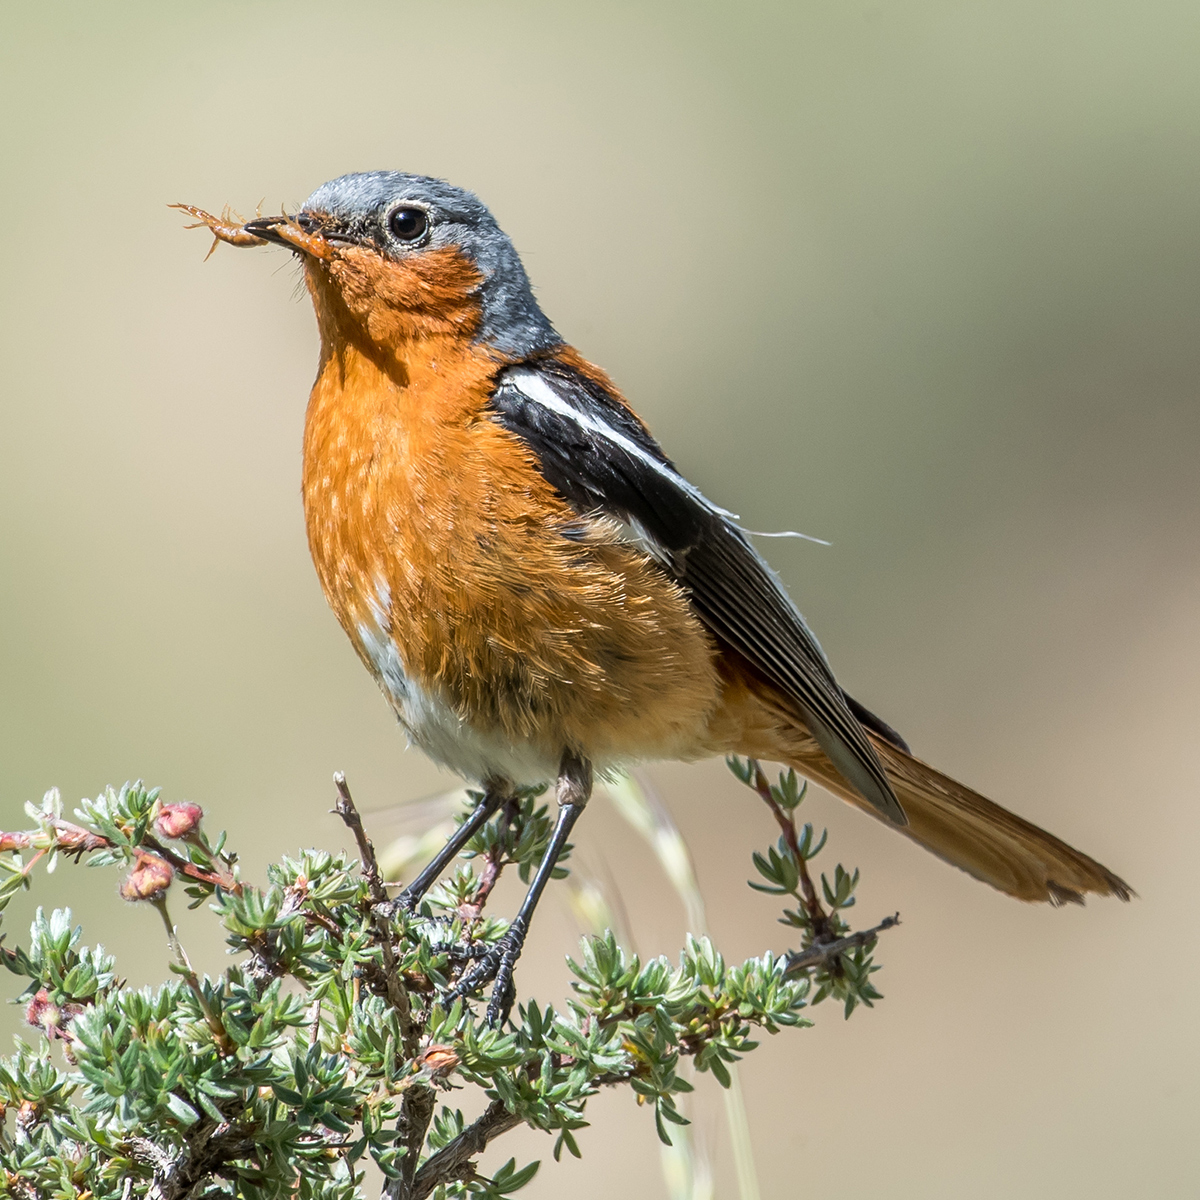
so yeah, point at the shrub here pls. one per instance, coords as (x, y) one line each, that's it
(328, 1041)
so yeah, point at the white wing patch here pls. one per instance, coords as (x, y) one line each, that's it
(534, 387)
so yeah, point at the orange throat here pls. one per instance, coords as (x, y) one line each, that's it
(500, 636)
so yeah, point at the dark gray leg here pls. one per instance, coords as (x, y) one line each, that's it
(496, 792)
(574, 791)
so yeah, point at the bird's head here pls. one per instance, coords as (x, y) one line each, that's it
(399, 257)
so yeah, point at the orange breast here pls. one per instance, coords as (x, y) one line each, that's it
(503, 628)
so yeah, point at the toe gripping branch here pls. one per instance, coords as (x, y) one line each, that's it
(573, 792)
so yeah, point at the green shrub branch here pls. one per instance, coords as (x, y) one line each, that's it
(328, 1043)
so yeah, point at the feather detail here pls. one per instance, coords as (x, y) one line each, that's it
(501, 624)
(600, 457)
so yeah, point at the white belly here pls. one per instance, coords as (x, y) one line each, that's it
(433, 725)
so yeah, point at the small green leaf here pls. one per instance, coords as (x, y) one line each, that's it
(181, 1109)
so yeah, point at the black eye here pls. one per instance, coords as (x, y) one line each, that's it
(408, 224)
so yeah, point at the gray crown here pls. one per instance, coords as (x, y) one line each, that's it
(358, 207)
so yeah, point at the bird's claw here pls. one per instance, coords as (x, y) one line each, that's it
(496, 965)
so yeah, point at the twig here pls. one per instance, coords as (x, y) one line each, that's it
(416, 1112)
(454, 1161)
(417, 1107)
(208, 1147)
(74, 841)
(184, 866)
(220, 1034)
(348, 811)
(265, 963)
(787, 824)
(144, 1150)
(494, 863)
(801, 960)
(314, 1021)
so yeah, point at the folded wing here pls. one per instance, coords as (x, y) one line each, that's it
(593, 449)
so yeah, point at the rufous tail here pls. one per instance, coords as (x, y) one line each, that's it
(972, 833)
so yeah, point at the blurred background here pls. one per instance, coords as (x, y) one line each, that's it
(919, 278)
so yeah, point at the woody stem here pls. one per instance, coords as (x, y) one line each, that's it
(802, 960)
(211, 1018)
(397, 994)
(787, 825)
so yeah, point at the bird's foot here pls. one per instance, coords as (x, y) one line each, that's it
(407, 901)
(496, 964)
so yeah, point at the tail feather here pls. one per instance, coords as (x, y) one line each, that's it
(970, 832)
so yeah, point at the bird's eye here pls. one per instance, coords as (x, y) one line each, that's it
(408, 224)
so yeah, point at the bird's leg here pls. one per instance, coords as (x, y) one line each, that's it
(495, 793)
(573, 792)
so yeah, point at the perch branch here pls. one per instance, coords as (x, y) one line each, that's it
(454, 1161)
(801, 960)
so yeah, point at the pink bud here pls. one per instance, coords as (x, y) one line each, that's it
(149, 879)
(42, 1012)
(178, 820)
(52, 1019)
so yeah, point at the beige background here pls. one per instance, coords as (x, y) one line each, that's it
(921, 278)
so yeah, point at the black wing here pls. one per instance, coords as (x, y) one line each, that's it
(597, 454)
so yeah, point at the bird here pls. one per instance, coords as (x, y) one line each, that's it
(539, 592)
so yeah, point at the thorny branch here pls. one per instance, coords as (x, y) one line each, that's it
(348, 811)
(307, 1083)
(397, 995)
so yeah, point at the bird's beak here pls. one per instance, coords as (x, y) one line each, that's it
(302, 232)
(311, 234)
